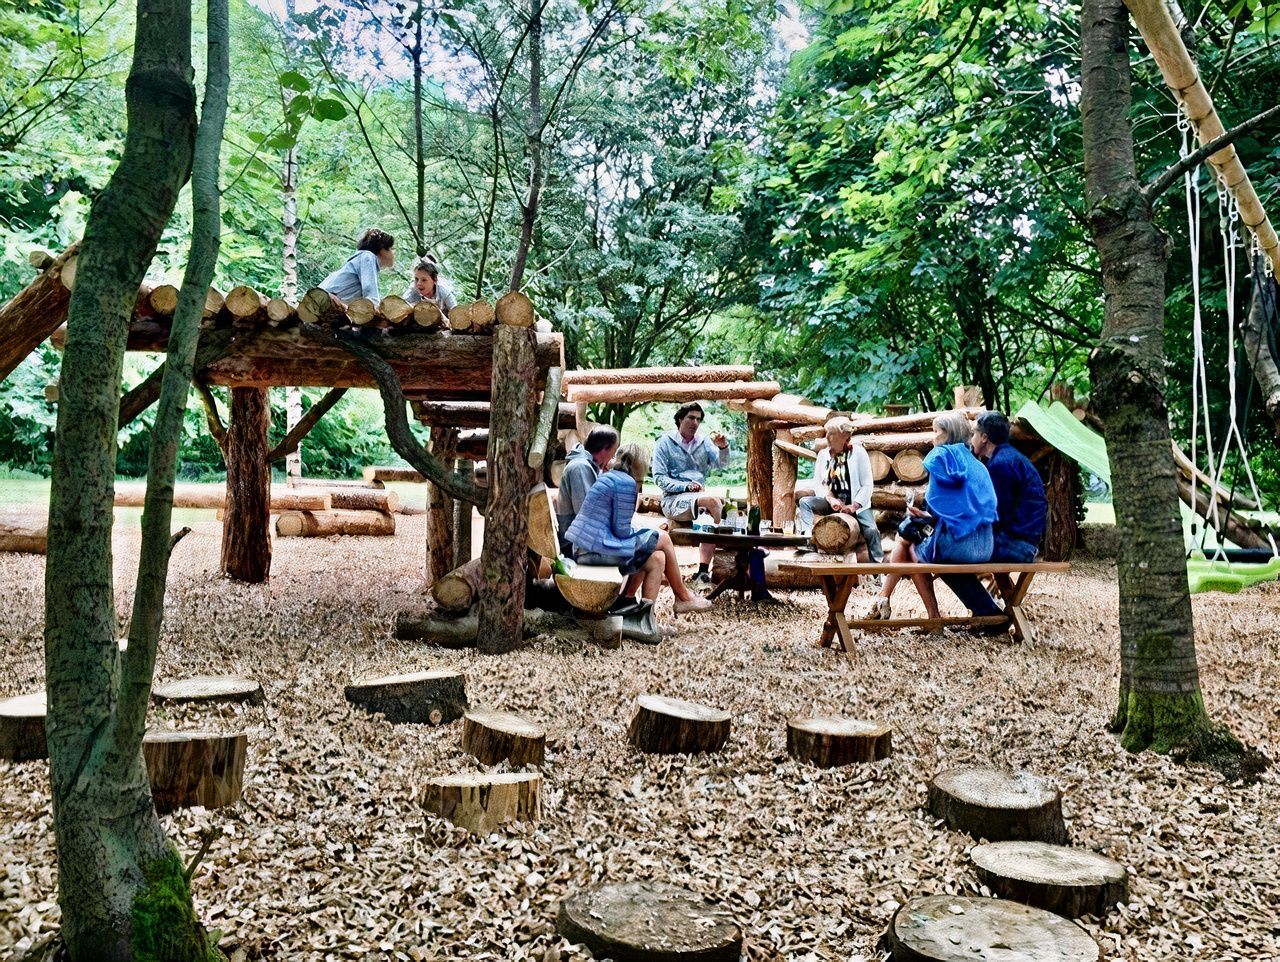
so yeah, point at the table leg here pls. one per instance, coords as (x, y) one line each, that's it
(737, 579)
(837, 589)
(1011, 593)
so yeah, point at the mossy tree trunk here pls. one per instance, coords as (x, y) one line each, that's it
(1160, 705)
(121, 884)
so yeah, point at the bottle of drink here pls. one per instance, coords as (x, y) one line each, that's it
(703, 521)
(730, 513)
(753, 520)
(558, 566)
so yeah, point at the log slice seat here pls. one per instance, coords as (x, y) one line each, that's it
(649, 922)
(195, 768)
(495, 736)
(481, 803)
(998, 805)
(1068, 881)
(22, 733)
(216, 688)
(835, 742)
(424, 697)
(669, 726)
(952, 928)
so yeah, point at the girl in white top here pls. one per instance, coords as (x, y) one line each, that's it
(427, 286)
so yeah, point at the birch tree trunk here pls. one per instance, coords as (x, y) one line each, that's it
(1160, 705)
(120, 879)
(289, 291)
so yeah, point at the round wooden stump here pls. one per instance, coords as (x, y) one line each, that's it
(998, 805)
(428, 697)
(833, 742)
(225, 688)
(22, 728)
(650, 922)
(668, 726)
(481, 803)
(194, 768)
(952, 928)
(495, 736)
(835, 533)
(1069, 881)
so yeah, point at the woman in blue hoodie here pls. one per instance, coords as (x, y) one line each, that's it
(962, 504)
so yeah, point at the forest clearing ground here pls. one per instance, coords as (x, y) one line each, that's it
(331, 856)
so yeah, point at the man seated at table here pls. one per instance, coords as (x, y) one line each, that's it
(842, 483)
(1021, 508)
(582, 470)
(681, 463)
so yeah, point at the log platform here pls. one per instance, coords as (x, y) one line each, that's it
(953, 928)
(216, 688)
(1068, 881)
(194, 768)
(835, 742)
(482, 803)
(22, 737)
(669, 726)
(649, 922)
(326, 524)
(495, 736)
(998, 805)
(424, 697)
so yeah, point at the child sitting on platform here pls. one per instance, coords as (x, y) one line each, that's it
(427, 286)
(358, 277)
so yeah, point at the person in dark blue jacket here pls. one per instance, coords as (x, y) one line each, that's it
(1021, 508)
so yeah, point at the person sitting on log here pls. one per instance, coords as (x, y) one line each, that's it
(842, 484)
(961, 508)
(427, 286)
(581, 471)
(681, 463)
(358, 277)
(1021, 510)
(602, 535)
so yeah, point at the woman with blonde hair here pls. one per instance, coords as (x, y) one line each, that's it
(961, 506)
(842, 484)
(602, 534)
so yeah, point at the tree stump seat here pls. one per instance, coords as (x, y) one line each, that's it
(481, 803)
(187, 769)
(22, 733)
(649, 922)
(1068, 881)
(998, 805)
(952, 928)
(668, 726)
(835, 742)
(216, 688)
(424, 697)
(495, 736)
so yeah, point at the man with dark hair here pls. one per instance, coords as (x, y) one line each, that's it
(358, 276)
(1021, 508)
(585, 463)
(681, 463)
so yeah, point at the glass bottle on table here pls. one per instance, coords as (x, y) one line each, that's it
(730, 513)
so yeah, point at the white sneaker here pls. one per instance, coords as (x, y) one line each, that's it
(696, 603)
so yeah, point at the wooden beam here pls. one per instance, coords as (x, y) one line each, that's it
(36, 311)
(710, 373)
(471, 414)
(641, 393)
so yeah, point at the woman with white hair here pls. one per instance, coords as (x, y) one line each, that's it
(602, 534)
(842, 484)
(961, 504)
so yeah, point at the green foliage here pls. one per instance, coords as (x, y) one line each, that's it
(165, 928)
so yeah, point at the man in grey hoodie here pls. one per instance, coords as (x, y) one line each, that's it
(585, 463)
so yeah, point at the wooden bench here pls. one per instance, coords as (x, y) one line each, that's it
(1011, 582)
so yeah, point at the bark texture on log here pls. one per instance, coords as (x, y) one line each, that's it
(484, 803)
(1068, 881)
(34, 313)
(459, 589)
(957, 928)
(678, 391)
(722, 565)
(24, 535)
(834, 742)
(503, 557)
(713, 373)
(195, 768)
(462, 516)
(790, 411)
(325, 524)
(998, 805)
(381, 474)
(217, 688)
(440, 508)
(246, 529)
(426, 697)
(423, 623)
(836, 533)
(1063, 492)
(667, 726)
(908, 466)
(760, 466)
(495, 736)
(650, 922)
(22, 737)
(784, 482)
(363, 499)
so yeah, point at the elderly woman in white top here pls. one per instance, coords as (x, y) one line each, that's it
(842, 483)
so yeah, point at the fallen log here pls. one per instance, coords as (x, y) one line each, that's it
(457, 590)
(835, 742)
(352, 498)
(1067, 881)
(649, 922)
(893, 497)
(194, 768)
(495, 736)
(709, 373)
(483, 803)
(325, 524)
(998, 805)
(22, 732)
(670, 391)
(24, 535)
(384, 473)
(424, 697)
(669, 726)
(420, 623)
(957, 928)
(908, 466)
(131, 495)
(36, 311)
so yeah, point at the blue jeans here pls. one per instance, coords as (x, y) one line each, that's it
(969, 589)
(941, 548)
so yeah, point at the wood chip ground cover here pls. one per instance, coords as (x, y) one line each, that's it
(330, 855)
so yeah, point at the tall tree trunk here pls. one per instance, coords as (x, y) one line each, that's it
(420, 153)
(1160, 704)
(533, 146)
(246, 524)
(120, 879)
(289, 291)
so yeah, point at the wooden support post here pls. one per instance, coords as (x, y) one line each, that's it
(760, 465)
(784, 481)
(462, 517)
(246, 527)
(506, 529)
(440, 508)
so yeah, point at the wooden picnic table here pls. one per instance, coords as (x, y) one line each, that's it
(742, 544)
(1011, 582)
